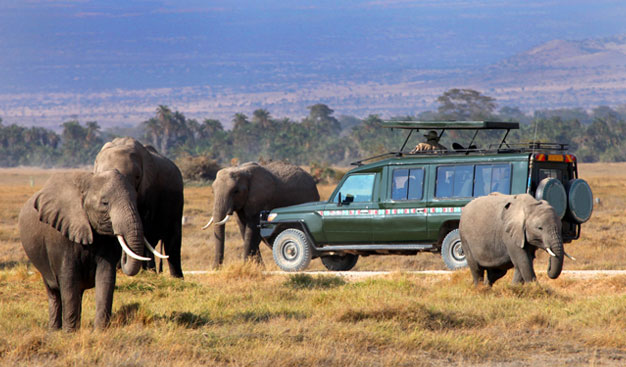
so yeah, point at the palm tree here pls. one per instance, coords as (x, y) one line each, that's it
(153, 131)
(261, 117)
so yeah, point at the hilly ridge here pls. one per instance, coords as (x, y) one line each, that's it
(555, 74)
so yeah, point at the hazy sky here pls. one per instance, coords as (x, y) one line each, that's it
(51, 45)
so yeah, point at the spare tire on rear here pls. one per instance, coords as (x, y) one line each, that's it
(579, 200)
(552, 191)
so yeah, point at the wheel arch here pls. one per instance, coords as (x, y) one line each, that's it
(281, 226)
(446, 227)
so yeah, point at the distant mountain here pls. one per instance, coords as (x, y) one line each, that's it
(555, 74)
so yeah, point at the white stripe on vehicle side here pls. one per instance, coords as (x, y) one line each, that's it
(388, 212)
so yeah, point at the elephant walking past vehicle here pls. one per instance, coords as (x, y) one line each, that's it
(499, 232)
(72, 230)
(158, 184)
(249, 189)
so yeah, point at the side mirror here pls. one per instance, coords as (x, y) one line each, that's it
(349, 199)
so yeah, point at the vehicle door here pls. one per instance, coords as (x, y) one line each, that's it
(402, 215)
(350, 220)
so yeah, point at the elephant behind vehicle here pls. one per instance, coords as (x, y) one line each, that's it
(72, 231)
(499, 232)
(248, 189)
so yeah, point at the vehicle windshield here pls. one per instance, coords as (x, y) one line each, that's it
(359, 186)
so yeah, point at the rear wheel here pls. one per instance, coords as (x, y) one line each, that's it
(452, 251)
(340, 262)
(292, 250)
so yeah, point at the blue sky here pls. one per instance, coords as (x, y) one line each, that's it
(50, 45)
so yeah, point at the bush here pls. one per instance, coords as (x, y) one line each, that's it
(199, 168)
(324, 174)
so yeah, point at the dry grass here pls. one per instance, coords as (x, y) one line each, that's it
(242, 316)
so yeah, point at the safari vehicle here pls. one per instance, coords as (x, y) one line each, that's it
(406, 203)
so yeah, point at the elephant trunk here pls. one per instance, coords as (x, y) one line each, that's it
(129, 231)
(220, 215)
(556, 258)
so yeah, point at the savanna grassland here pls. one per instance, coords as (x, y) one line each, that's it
(243, 316)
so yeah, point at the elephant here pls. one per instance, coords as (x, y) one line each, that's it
(70, 230)
(158, 184)
(249, 189)
(499, 232)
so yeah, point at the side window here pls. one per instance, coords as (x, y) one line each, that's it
(360, 186)
(407, 184)
(492, 178)
(399, 184)
(416, 183)
(501, 179)
(454, 181)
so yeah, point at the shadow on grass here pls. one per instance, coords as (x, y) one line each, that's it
(426, 317)
(189, 319)
(265, 315)
(305, 281)
(132, 313)
(7, 265)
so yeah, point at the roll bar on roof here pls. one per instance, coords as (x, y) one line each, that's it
(452, 125)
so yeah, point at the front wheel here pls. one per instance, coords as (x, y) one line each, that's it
(292, 251)
(452, 251)
(340, 262)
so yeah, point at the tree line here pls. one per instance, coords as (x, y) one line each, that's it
(320, 137)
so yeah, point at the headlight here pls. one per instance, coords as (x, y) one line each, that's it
(271, 217)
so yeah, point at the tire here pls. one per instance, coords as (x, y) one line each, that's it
(292, 250)
(553, 191)
(340, 262)
(452, 251)
(579, 200)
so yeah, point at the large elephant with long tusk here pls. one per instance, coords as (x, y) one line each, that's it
(158, 184)
(499, 232)
(74, 231)
(248, 189)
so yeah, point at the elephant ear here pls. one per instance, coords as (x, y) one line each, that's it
(513, 217)
(60, 204)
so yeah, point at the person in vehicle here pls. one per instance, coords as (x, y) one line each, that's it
(431, 143)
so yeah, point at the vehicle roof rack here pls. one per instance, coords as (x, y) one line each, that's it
(501, 147)
(451, 125)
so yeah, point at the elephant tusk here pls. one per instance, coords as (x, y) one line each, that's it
(223, 221)
(155, 252)
(128, 251)
(550, 252)
(568, 255)
(208, 224)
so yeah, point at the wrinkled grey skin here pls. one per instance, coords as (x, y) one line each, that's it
(67, 230)
(499, 232)
(159, 187)
(250, 188)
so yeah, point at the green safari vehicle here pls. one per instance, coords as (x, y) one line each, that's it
(404, 203)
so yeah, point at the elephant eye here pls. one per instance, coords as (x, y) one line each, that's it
(105, 202)
(540, 228)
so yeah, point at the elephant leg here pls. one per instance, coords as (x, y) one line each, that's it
(251, 242)
(524, 265)
(71, 300)
(494, 274)
(478, 272)
(105, 285)
(172, 246)
(54, 307)
(517, 277)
